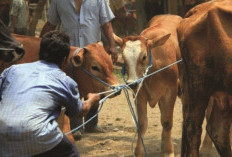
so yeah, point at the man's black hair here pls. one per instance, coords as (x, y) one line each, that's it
(54, 47)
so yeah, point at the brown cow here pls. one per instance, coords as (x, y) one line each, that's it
(10, 49)
(162, 87)
(94, 59)
(205, 38)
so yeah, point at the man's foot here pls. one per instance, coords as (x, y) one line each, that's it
(77, 135)
(95, 130)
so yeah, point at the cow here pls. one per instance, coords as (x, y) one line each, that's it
(161, 39)
(93, 58)
(10, 49)
(205, 39)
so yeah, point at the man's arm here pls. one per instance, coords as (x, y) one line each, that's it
(74, 112)
(87, 104)
(47, 28)
(108, 31)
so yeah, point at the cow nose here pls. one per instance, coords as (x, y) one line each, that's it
(132, 85)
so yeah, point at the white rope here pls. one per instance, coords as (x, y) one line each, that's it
(6, 49)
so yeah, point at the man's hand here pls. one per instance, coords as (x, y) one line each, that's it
(108, 31)
(114, 54)
(92, 99)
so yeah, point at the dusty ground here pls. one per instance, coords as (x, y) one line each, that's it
(117, 141)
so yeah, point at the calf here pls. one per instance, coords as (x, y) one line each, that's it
(205, 38)
(160, 38)
(93, 58)
(10, 49)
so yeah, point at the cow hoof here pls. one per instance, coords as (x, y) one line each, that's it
(169, 155)
(77, 135)
(138, 153)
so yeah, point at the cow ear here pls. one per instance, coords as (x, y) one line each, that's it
(158, 42)
(77, 60)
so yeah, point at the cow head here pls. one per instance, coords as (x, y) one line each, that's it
(136, 54)
(96, 61)
(10, 49)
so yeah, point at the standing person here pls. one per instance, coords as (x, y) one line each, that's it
(31, 97)
(82, 20)
(32, 4)
(18, 17)
(119, 10)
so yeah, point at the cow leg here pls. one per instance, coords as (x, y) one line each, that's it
(207, 144)
(218, 128)
(166, 105)
(142, 121)
(192, 128)
(67, 128)
(64, 124)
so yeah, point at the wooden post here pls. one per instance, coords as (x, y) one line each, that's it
(141, 15)
(36, 15)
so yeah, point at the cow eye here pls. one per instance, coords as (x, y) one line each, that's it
(144, 58)
(95, 68)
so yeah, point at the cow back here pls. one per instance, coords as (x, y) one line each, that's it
(205, 37)
(31, 47)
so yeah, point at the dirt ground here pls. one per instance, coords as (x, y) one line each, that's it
(115, 117)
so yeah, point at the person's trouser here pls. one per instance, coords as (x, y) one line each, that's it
(64, 149)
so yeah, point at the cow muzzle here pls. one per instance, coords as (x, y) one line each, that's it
(117, 90)
(132, 84)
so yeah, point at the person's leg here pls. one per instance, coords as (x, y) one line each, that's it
(64, 149)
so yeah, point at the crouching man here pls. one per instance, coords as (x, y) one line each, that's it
(31, 97)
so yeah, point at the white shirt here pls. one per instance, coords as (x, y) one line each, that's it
(85, 27)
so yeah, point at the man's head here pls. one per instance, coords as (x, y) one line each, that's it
(54, 47)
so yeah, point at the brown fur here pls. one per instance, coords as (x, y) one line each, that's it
(205, 38)
(160, 88)
(94, 56)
